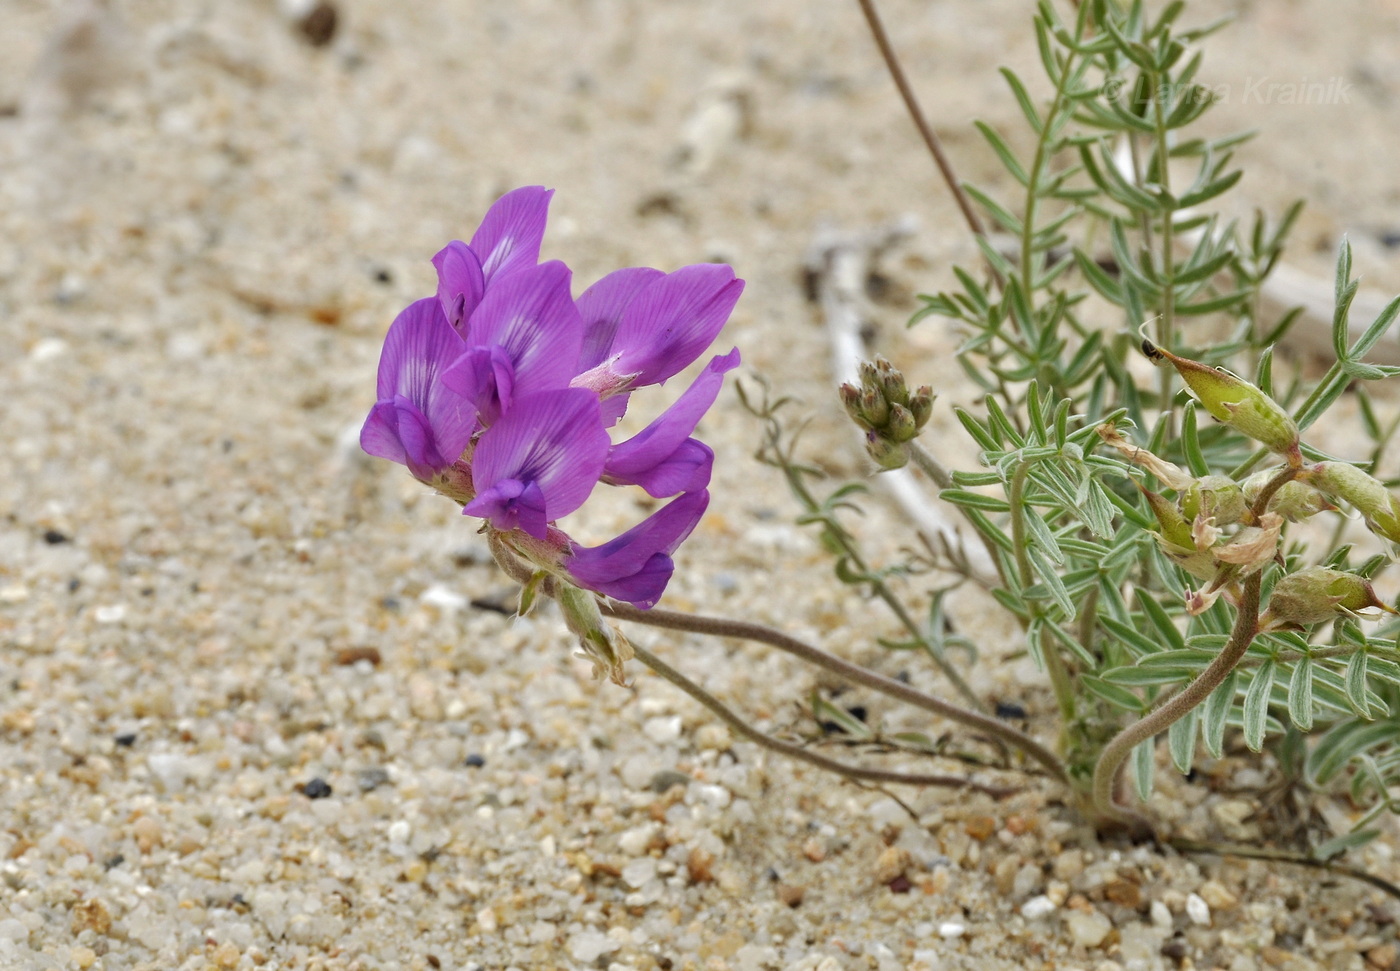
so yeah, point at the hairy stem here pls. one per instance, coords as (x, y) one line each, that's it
(721, 627)
(1246, 627)
(802, 754)
(945, 167)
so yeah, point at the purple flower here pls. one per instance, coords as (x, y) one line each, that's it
(523, 337)
(500, 390)
(540, 461)
(418, 421)
(637, 565)
(641, 327)
(508, 239)
(662, 458)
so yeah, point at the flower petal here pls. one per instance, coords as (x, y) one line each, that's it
(659, 443)
(460, 282)
(636, 566)
(552, 439)
(669, 323)
(510, 234)
(531, 315)
(485, 377)
(431, 424)
(601, 308)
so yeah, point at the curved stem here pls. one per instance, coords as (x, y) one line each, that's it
(1116, 752)
(720, 627)
(1248, 852)
(945, 167)
(795, 751)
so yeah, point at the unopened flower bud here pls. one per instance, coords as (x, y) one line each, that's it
(850, 400)
(892, 382)
(1294, 501)
(1369, 495)
(1320, 594)
(921, 405)
(887, 454)
(901, 427)
(874, 409)
(1235, 402)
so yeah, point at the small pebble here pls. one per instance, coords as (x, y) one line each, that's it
(1038, 907)
(664, 780)
(53, 537)
(475, 761)
(1088, 928)
(372, 778)
(1217, 896)
(791, 894)
(316, 789)
(1197, 910)
(951, 930)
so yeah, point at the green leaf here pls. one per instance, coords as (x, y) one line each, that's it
(1217, 711)
(1191, 443)
(1376, 331)
(1335, 749)
(1114, 694)
(1256, 706)
(1008, 159)
(975, 500)
(1051, 582)
(1356, 684)
(1338, 845)
(1161, 620)
(1133, 639)
(1018, 90)
(1181, 740)
(1211, 191)
(999, 213)
(1300, 695)
(1142, 769)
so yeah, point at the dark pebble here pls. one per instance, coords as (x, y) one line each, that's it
(372, 778)
(318, 26)
(900, 884)
(126, 740)
(475, 761)
(53, 537)
(1009, 709)
(666, 778)
(316, 789)
(112, 862)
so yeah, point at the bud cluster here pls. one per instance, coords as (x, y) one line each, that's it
(887, 410)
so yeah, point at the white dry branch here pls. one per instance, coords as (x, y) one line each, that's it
(838, 265)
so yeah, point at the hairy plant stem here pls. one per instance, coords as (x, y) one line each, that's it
(801, 753)
(723, 627)
(1250, 852)
(1060, 681)
(911, 102)
(1246, 627)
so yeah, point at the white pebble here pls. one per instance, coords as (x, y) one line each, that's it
(1161, 915)
(1088, 929)
(639, 872)
(399, 831)
(110, 614)
(715, 797)
(1198, 910)
(635, 841)
(448, 601)
(951, 930)
(1038, 907)
(13, 930)
(588, 946)
(663, 731)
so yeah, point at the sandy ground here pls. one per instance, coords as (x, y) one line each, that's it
(212, 607)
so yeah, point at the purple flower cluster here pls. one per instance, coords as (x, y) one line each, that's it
(500, 390)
